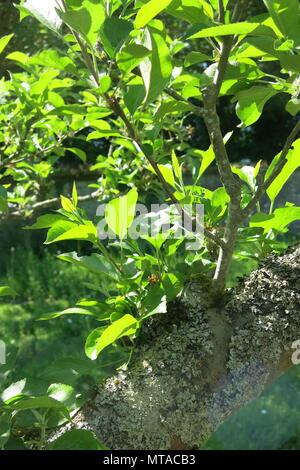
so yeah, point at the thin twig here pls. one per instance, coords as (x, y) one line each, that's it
(196, 109)
(221, 11)
(262, 188)
(49, 203)
(225, 53)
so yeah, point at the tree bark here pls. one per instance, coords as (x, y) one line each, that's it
(195, 366)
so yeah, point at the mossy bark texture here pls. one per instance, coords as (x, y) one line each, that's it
(196, 366)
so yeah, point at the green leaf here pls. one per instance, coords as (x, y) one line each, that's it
(130, 56)
(113, 32)
(95, 263)
(80, 153)
(251, 103)
(255, 29)
(6, 290)
(86, 20)
(195, 58)
(293, 106)
(175, 165)
(154, 300)
(157, 68)
(120, 212)
(160, 308)
(103, 337)
(51, 58)
(3, 199)
(35, 403)
(237, 76)
(171, 107)
(103, 130)
(74, 195)
(14, 443)
(4, 41)
(58, 228)
(63, 393)
(285, 14)
(167, 172)
(173, 284)
(69, 311)
(278, 220)
(219, 198)
(45, 221)
(208, 155)
(105, 84)
(246, 173)
(13, 390)
(192, 11)
(158, 240)
(70, 109)
(149, 11)
(292, 163)
(67, 204)
(134, 94)
(47, 16)
(77, 439)
(65, 230)
(172, 246)
(69, 369)
(287, 60)
(113, 357)
(42, 84)
(18, 57)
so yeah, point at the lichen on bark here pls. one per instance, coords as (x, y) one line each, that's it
(196, 366)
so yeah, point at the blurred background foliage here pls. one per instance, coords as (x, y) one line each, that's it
(46, 284)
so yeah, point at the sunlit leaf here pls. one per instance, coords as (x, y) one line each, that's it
(120, 212)
(149, 11)
(157, 68)
(250, 103)
(292, 163)
(4, 41)
(104, 336)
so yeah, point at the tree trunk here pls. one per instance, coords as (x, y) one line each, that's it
(196, 366)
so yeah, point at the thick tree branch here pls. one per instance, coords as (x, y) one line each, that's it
(230, 182)
(191, 372)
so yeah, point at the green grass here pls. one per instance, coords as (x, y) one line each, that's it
(44, 284)
(272, 421)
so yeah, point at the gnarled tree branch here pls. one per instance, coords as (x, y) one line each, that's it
(196, 366)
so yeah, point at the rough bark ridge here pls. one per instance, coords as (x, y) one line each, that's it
(196, 366)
